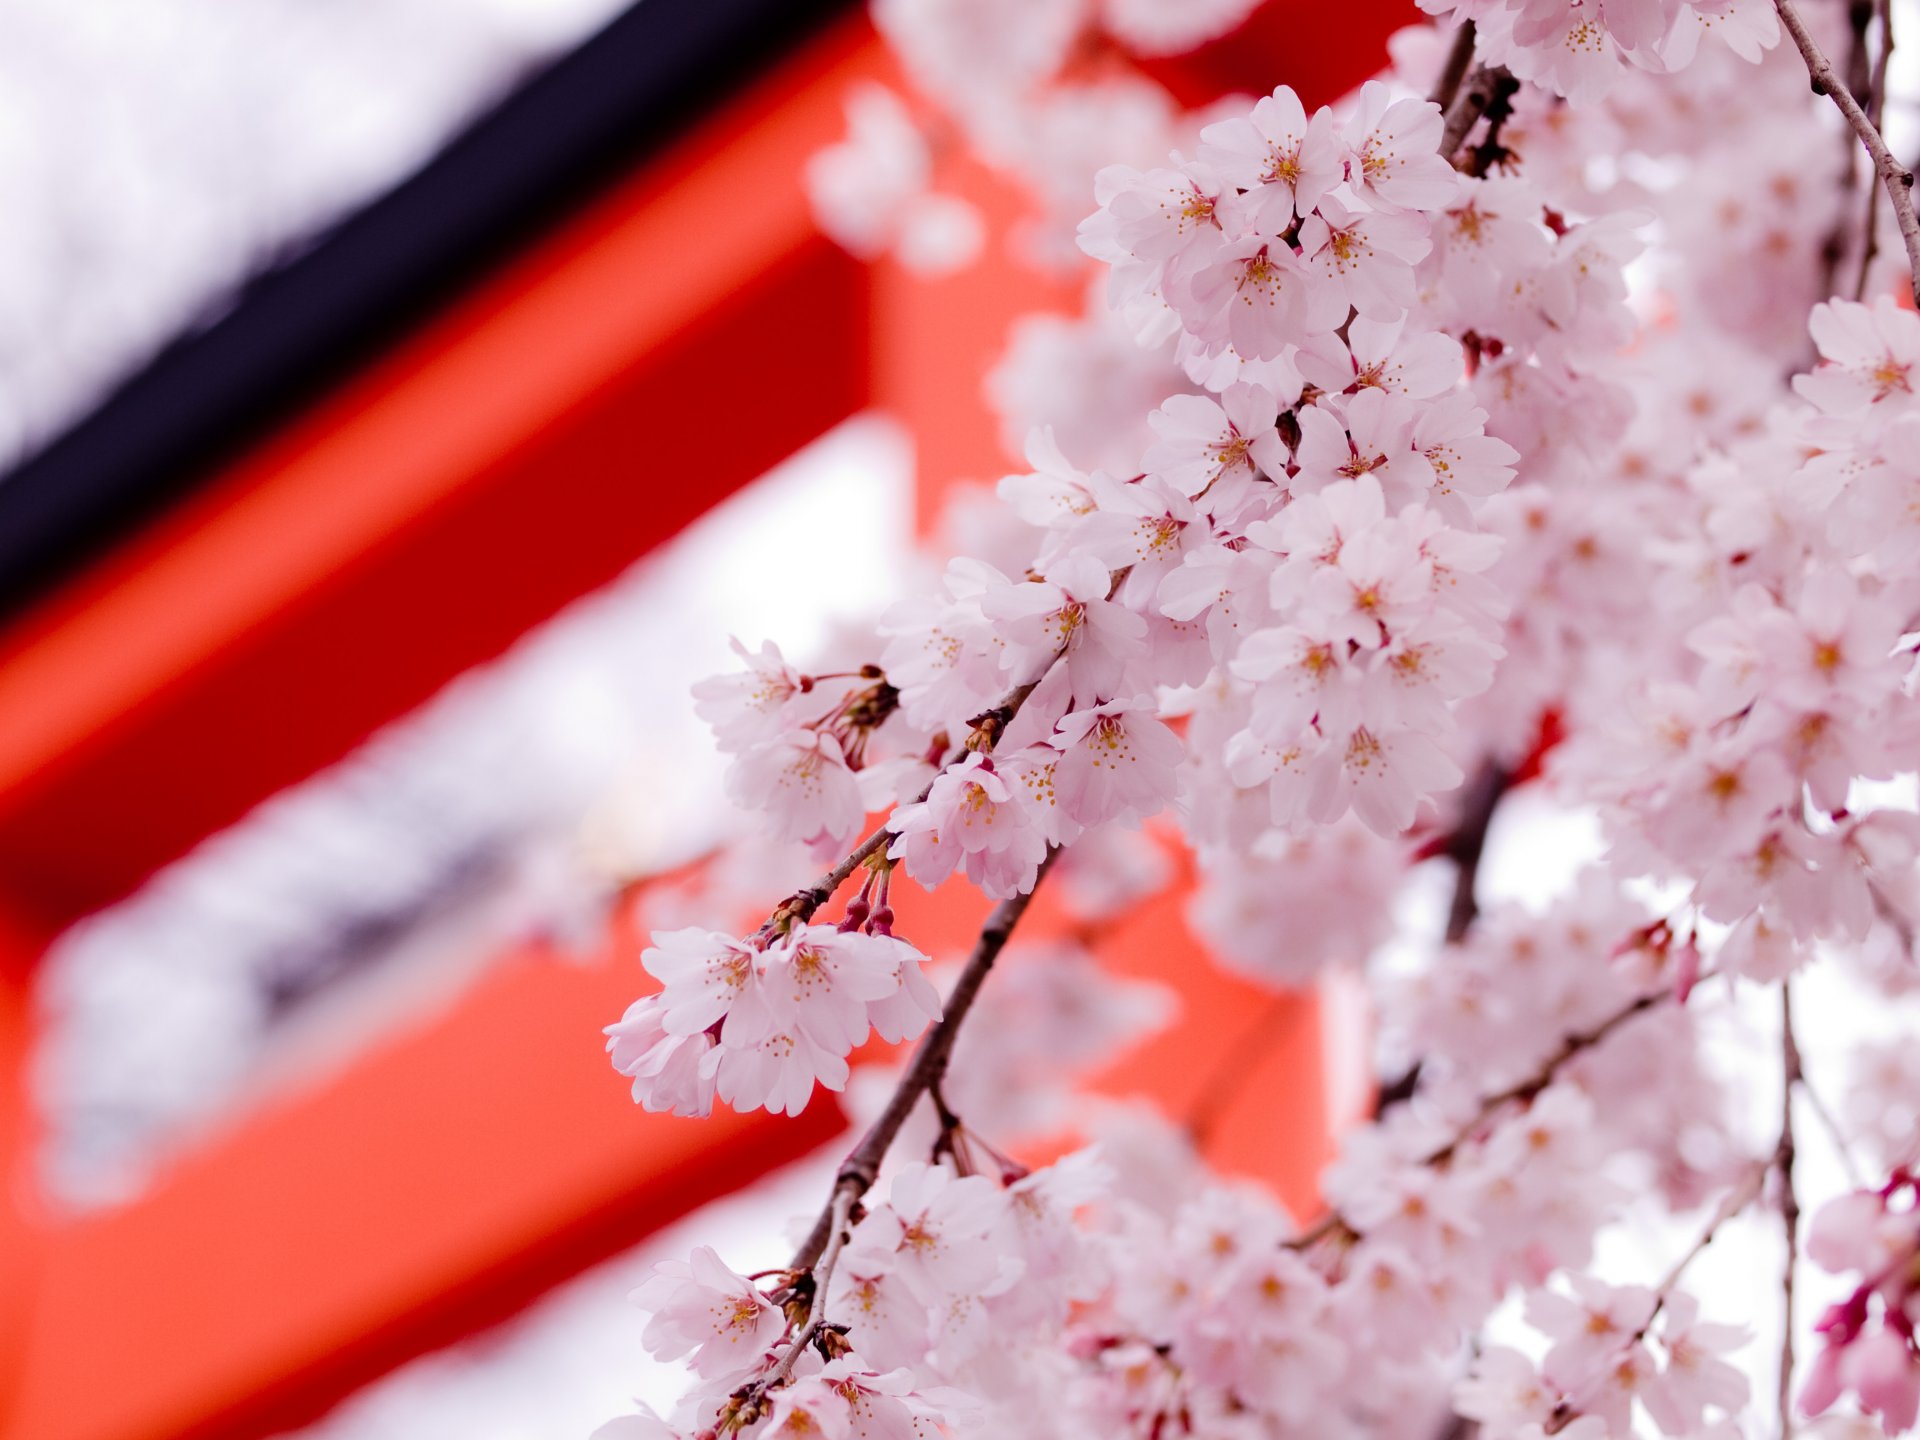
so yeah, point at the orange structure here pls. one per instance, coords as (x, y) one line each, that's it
(515, 453)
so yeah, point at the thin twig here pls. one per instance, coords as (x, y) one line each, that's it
(1897, 179)
(1465, 845)
(839, 1224)
(1876, 107)
(988, 727)
(1333, 1223)
(1790, 1077)
(927, 1068)
(1735, 1200)
(1836, 1136)
(1573, 1045)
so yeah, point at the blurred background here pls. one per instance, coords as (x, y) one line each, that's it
(401, 403)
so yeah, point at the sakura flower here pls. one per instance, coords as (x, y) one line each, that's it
(1301, 675)
(1696, 1378)
(1151, 224)
(801, 780)
(912, 1004)
(931, 1232)
(704, 1312)
(1117, 763)
(1066, 615)
(1283, 161)
(1394, 152)
(1466, 463)
(1869, 354)
(1370, 435)
(941, 654)
(1383, 775)
(820, 981)
(1368, 256)
(773, 1067)
(1256, 295)
(645, 1425)
(972, 817)
(1055, 493)
(1505, 1392)
(870, 192)
(1590, 1329)
(666, 1069)
(811, 1408)
(1203, 443)
(745, 709)
(1422, 365)
(704, 974)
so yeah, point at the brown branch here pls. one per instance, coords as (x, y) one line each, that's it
(1569, 1047)
(1491, 152)
(1894, 176)
(988, 727)
(927, 1068)
(1467, 843)
(1459, 57)
(1475, 99)
(1736, 1200)
(1791, 1077)
(1876, 107)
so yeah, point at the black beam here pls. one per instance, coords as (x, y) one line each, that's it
(299, 328)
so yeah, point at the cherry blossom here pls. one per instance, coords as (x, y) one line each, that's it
(1421, 468)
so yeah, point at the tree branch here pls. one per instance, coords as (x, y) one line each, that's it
(927, 1068)
(1475, 99)
(1790, 1078)
(1468, 842)
(1876, 107)
(1333, 1223)
(1459, 57)
(988, 727)
(1894, 176)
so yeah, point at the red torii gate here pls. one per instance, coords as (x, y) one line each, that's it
(412, 524)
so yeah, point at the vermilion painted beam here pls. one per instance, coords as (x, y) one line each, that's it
(441, 1183)
(455, 1173)
(672, 346)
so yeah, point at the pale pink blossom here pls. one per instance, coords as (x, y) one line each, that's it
(702, 1311)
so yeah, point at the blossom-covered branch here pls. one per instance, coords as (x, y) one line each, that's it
(1896, 178)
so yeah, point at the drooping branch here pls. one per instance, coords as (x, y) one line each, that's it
(1894, 177)
(1549, 1069)
(1467, 842)
(1790, 1077)
(1489, 91)
(1459, 57)
(1876, 107)
(988, 727)
(927, 1068)
(1731, 1204)
(1464, 844)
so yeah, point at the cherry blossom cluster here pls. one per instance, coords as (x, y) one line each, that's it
(1579, 49)
(760, 1024)
(1868, 1346)
(1414, 455)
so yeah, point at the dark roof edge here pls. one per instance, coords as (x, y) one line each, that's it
(302, 326)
